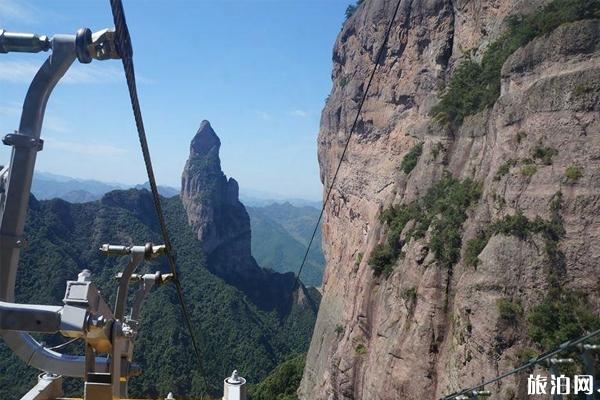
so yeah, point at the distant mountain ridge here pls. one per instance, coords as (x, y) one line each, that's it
(48, 186)
(280, 234)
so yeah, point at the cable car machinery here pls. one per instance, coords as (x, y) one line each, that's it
(84, 314)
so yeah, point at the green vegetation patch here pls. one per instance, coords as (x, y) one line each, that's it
(581, 90)
(443, 209)
(409, 162)
(436, 149)
(410, 295)
(282, 383)
(544, 154)
(475, 86)
(525, 354)
(505, 168)
(561, 316)
(528, 170)
(509, 310)
(573, 173)
(520, 226)
(361, 349)
(383, 258)
(358, 260)
(474, 248)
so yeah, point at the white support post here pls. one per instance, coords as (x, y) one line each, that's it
(234, 387)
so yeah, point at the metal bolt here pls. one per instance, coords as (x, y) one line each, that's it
(98, 322)
(127, 330)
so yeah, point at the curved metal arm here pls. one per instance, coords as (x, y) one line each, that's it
(37, 356)
(22, 160)
(29, 317)
(16, 199)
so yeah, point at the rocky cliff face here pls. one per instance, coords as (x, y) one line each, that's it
(222, 224)
(427, 330)
(211, 200)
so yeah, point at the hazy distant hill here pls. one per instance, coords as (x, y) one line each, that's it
(48, 186)
(280, 233)
(166, 191)
(259, 198)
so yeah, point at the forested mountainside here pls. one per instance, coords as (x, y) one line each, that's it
(280, 228)
(280, 234)
(463, 232)
(238, 326)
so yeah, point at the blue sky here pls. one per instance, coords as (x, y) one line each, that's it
(259, 71)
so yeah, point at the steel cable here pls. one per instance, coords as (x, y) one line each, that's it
(526, 365)
(125, 50)
(352, 129)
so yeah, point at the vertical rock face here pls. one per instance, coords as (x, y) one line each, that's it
(223, 227)
(426, 330)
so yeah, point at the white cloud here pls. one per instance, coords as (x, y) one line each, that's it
(300, 113)
(24, 71)
(56, 124)
(88, 149)
(17, 71)
(94, 73)
(264, 115)
(17, 10)
(9, 110)
(51, 121)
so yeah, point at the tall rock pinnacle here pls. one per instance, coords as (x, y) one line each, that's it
(205, 140)
(210, 199)
(222, 225)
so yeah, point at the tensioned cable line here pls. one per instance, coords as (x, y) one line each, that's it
(126, 53)
(65, 344)
(526, 365)
(337, 170)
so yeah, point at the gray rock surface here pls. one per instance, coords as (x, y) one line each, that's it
(449, 335)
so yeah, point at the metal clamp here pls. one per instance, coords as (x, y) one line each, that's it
(19, 140)
(149, 250)
(475, 394)
(98, 45)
